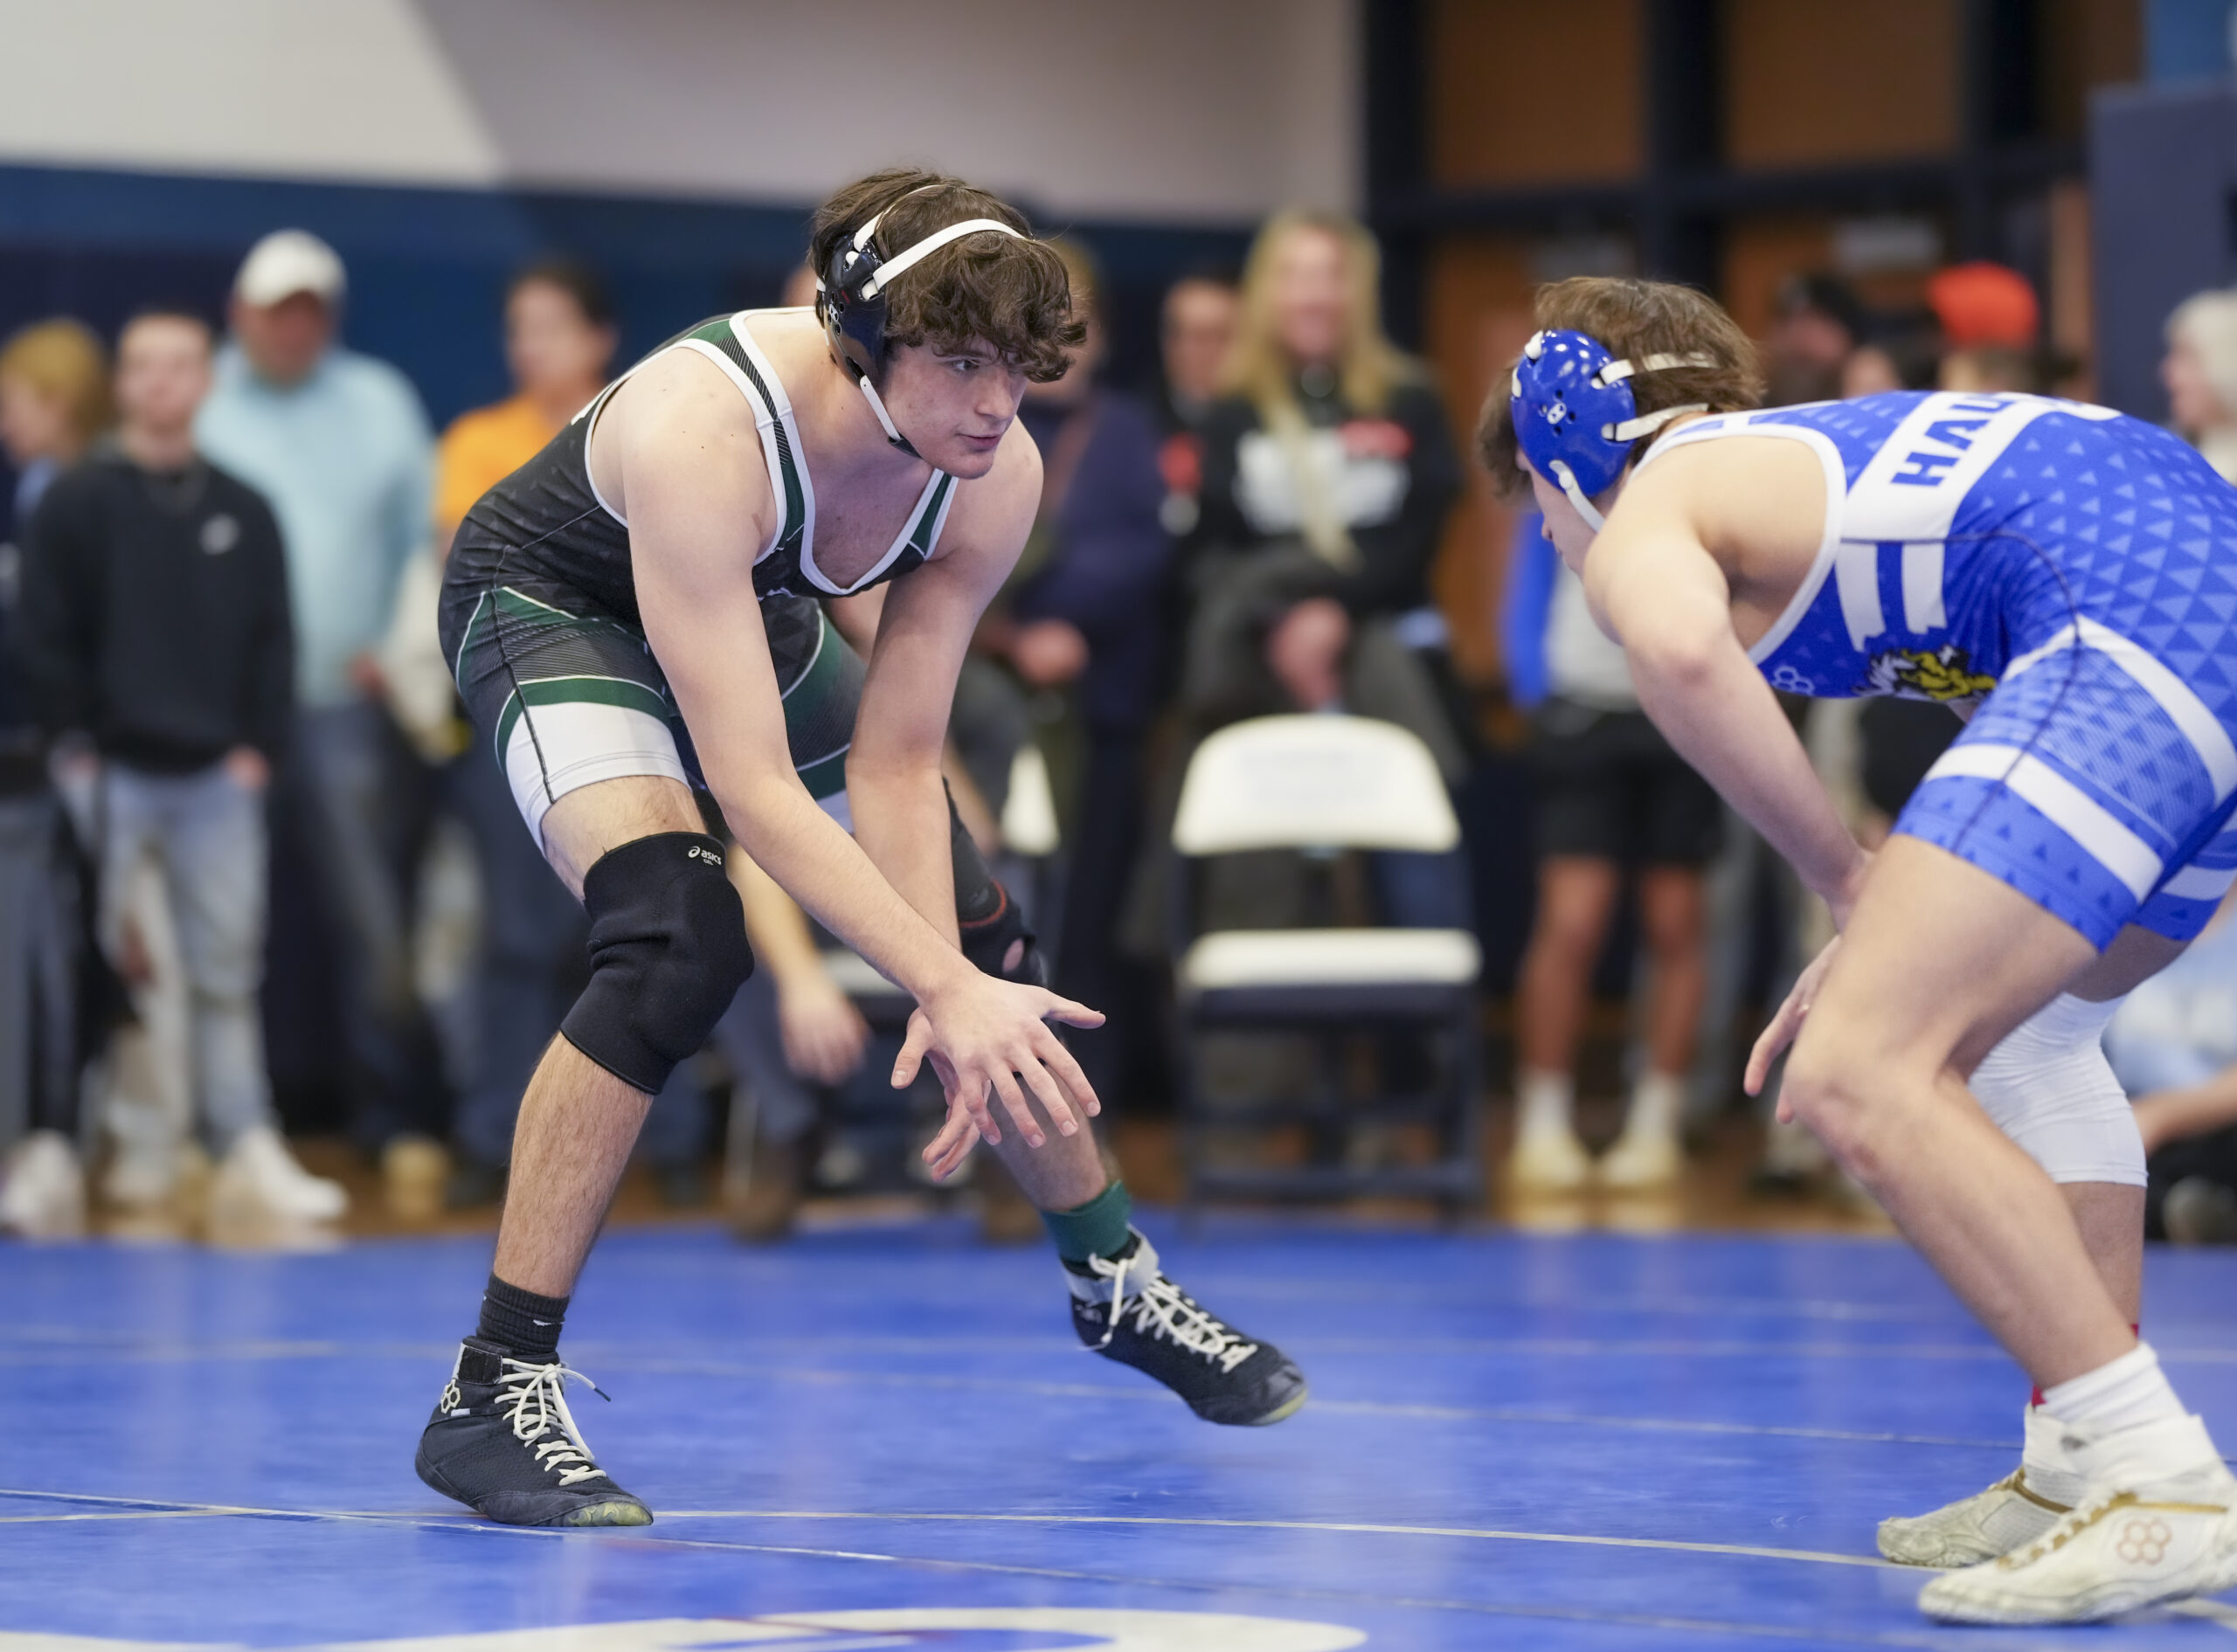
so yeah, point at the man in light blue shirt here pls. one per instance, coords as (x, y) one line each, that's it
(339, 444)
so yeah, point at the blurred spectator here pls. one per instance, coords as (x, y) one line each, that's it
(790, 1036)
(339, 445)
(1615, 802)
(559, 341)
(1899, 359)
(53, 402)
(1817, 322)
(157, 639)
(2200, 373)
(1078, 629)
(2174, 1044)
(1329, 472)
(1981, 304)
(1992, 369)
(1195, 331)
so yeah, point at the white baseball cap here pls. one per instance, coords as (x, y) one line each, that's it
(285, 263)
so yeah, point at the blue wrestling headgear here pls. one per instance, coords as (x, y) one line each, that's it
(852, 294)
(1575, 417)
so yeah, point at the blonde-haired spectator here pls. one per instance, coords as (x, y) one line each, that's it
(2200, 372)
(1329, 471)
(53, 402)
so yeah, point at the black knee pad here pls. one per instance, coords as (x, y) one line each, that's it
(667, 954)
(986, 918)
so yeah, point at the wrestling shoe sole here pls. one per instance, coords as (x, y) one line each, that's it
(613, 1511)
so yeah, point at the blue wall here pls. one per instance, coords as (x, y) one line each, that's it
(427, 266)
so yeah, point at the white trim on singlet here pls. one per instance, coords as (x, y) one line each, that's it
(766, 418)
(700, 347)
(1836, 493)
(817, 576)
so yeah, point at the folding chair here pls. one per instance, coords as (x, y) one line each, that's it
(1318, 786)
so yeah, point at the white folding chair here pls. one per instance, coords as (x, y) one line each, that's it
(1317, 784)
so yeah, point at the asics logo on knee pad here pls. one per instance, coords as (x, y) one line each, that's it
(701, 852)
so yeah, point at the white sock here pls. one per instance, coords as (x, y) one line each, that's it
(1544, 1102)
(2127, 1392)
(1658, 1106)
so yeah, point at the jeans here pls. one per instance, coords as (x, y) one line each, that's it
(207, 834)
(38, 950)
(786, 1105)
(532, 961)
(362, 801)
(1422, 891)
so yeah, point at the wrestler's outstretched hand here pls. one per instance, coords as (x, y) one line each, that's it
(988, 1035)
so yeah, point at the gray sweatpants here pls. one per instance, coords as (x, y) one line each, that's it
(207, 835)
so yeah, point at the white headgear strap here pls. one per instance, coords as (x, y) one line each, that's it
(1585, 508)
(926, 247)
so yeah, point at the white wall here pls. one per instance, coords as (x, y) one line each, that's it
(1167, 109)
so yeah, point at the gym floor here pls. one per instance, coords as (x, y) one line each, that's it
(885, 1437)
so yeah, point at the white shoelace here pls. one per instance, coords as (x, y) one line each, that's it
(534, 1398)
(1161, 1312)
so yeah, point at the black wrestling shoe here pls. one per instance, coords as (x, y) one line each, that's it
(1127, 1311)
(503, 1442)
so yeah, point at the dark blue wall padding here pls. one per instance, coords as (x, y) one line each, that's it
(427, 266)
(2162, 185)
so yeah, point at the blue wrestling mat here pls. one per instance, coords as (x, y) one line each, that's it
(890, 1440)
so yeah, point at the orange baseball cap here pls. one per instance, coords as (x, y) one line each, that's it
(1985, 303)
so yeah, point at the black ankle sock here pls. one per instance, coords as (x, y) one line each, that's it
(521, 1321)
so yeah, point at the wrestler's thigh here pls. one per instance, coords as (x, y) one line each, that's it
(1940, 960)
(591, 821)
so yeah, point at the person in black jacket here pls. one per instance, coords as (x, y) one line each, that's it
(1328, 473)
(158, 650)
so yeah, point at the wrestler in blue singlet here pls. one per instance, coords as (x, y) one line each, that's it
(2069, 575)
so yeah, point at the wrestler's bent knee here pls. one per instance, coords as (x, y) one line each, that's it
(1824, 1086)
(667, 953)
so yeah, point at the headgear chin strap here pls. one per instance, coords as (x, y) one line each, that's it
(1575, 417)
(852, 291)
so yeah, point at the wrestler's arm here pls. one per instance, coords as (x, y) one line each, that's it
(1654, 585)
(893, 772)
(697, 496)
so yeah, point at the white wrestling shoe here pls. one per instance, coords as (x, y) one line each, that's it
(2010, 1515)
(1548, 1160)
(2134, 1542)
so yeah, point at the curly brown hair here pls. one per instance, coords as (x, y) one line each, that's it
(1634, 319)
(1008, 292)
